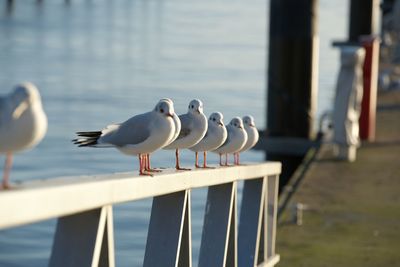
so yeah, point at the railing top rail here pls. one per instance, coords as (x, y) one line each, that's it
(38, 200)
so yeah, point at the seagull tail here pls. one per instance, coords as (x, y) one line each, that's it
(87, 139)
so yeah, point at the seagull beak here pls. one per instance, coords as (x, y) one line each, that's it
(220, 123)
(240, 127)
(20, 109)
(198, 111)
(252, 125)
(169, 115)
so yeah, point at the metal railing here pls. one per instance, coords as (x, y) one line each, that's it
(83, 205)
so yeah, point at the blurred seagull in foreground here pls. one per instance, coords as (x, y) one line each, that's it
(139, 135)
(237, 138)
(215, 136)
(23, 123)
(252, 135)
(193, 128)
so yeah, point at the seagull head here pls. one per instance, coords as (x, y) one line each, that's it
(25, 96)
(249, 121)
(237, 123)
(27, 92)
(195, 106)
(217, 118)
(165, 107)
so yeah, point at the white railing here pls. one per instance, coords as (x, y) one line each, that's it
(83, 206)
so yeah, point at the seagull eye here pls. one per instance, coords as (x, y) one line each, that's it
(161, 110)
(213, 119)
(192, 106)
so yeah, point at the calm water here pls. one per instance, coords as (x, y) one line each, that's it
(98, 62)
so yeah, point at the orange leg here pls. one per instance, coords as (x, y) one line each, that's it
(7, 169)
(196, 159)
(148, 166)
(142, 165)
(177, 161)
(205, 161)
(235, 158)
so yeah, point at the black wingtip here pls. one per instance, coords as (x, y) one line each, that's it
(86, 138)
(89, 134)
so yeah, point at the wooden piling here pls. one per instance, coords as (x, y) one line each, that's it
(364, 18)
(292, 75)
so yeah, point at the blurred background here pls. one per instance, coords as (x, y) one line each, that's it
(100, 62)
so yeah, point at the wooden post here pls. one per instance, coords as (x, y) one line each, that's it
(370, 93)
(364, 15)
(292, 74)
(363, 29)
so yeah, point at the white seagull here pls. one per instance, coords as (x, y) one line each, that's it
(252, 135)
(139, 135)
(193, 128)
(177, 123)
(215, 136)
(237, 138)
(23, 123)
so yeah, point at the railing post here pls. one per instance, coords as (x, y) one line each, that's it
(84, 239)
(272, 197)
(185, 253)
(251, 221)
(169, 231)
(218, 241)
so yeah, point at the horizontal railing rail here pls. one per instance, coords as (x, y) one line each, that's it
(83, 205)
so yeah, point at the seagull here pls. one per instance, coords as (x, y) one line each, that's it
(252, 135)
(193, 128)
(237, 138)
(177, 123)
(139, 135)
(214, 138)
(23, 123)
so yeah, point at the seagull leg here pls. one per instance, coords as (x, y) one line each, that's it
(220, 160)
(142, 165)
(237, 158)
(7, 169)
(205, 161)
(234, 158)
(197, 159)
(148, 166)
(226, 159)
(177, 161)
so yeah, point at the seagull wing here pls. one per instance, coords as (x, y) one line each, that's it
(3, 107)
(229, 130)
(131, 132)
(186, 126)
